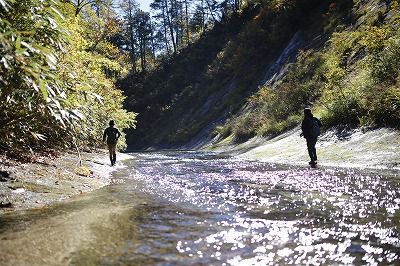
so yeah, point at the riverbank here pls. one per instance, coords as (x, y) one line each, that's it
(375, 149)
(48, 180)
(51, 179)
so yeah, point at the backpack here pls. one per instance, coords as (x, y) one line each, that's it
(315, 130)
(112, 136)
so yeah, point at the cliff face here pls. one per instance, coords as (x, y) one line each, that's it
(253, 74)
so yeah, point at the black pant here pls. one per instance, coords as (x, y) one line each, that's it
(311, 148)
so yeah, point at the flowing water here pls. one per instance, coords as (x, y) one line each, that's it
(190, 208)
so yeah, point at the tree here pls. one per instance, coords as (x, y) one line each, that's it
(80, 4)
(129, 7)
(166, 12)
(53, 87)
(187, 18)
(139, 33)
(161, 17)
(101, 25)
(144, 34)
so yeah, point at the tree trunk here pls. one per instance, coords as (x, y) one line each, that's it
(131, 37)
(153, 47)
(187, 23)
(143, 53)
(165, 30)
(202, 16)
(170, 26)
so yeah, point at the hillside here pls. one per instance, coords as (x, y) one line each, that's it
(254, 72)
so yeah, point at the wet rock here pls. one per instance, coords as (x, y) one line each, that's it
(19, 190)
(5, 204)
(6, 176)
(83, 171)
(355, 248)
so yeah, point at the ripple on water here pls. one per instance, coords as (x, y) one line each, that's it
(271, 214)
(188, 208)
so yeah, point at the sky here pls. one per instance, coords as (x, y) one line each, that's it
(145, 4)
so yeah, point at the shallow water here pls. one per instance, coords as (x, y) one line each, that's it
(189, 208)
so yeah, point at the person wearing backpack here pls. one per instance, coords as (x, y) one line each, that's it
(311, 129)
(112, 135)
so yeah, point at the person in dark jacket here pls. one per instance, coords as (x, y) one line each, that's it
(311, 129)
(112, 135)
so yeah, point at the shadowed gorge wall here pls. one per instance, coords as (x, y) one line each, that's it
(253, 73)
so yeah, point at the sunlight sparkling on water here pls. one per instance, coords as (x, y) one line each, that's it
(263, 214)
(187, 208)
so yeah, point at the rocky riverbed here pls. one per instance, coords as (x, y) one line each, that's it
(51, 179)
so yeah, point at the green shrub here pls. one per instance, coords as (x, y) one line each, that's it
(385, 107)
(32, 95)
(53, 90)
(273, 127)
(344, 109)
(352, 95)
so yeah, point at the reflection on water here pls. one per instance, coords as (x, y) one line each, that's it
(186, 208)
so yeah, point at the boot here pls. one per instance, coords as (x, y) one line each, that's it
(111, 160)
(114, 158)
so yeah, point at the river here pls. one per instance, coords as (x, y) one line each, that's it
(194, 208)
